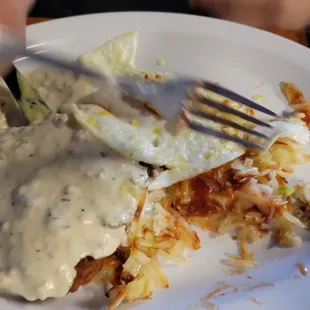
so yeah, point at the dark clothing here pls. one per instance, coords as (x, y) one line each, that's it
(64, 8)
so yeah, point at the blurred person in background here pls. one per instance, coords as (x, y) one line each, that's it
(290, 14)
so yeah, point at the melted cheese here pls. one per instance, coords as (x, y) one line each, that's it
(63, 197)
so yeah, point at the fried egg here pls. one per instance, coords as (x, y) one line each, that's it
(134, 130)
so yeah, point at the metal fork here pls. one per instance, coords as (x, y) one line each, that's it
(169, 98)
(173, 100)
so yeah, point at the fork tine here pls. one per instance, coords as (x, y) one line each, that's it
(226, 122)
(224, 108)
(238, 98)
(221, 135)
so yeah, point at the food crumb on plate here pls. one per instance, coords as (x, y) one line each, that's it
(160, 62)
(258, 98)
(207, 306)
(302, 268)
(260, 85)
(235, 271)
(220, 289)
(256, 286)
(254, 299)
(210, 306)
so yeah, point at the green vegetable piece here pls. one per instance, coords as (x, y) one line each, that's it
(285, 190)
(31, 103)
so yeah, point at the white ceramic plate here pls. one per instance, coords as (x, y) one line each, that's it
(247, 60)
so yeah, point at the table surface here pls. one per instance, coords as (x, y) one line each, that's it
(297, 36)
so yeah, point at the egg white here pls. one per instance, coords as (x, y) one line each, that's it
(115, 57)
(148, 140)
(292, 129)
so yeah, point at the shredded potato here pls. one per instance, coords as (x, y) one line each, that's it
(297, 100)
(254, 200)
(162, 233)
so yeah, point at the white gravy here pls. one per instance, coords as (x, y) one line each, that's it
(64, 196)
(54, 86)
